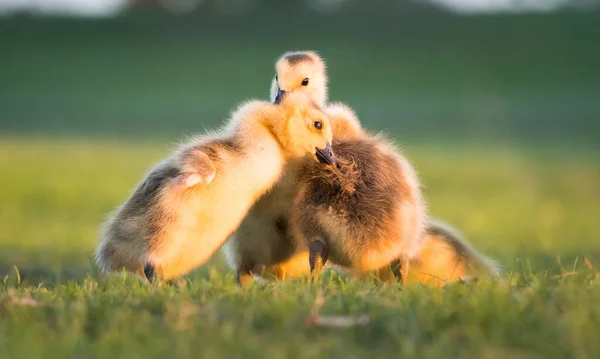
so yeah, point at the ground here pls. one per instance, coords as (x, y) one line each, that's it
(534, 209)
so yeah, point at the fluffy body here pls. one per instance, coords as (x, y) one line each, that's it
(368, 211)
(182, 212)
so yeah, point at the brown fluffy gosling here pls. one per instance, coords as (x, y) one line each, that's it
(362, 213)
(189, 204)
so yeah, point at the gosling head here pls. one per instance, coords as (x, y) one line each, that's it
(306, 129)
(303, 71)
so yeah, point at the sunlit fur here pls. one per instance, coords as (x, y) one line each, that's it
(368, 210)
(263, 238)
(445, 256)
(263, 244)
(175, 226)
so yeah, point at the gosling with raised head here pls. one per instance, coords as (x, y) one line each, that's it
(262, 238)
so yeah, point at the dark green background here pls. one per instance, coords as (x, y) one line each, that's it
(417, 72)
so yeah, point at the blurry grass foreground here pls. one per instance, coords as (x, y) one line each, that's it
(124, 317)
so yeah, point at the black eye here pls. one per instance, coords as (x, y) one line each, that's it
(305, 82)
(276, 78)
(318, 125)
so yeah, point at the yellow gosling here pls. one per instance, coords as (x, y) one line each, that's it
(188, 205)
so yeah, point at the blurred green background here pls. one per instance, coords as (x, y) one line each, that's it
(500, 114)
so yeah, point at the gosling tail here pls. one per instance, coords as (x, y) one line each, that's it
(446, 256)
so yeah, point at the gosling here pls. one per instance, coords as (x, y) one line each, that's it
(363, 212)
(188, 205)
(262, 243)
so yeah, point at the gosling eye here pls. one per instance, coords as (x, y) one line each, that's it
(305, 82)
(276, 77)
(318, 125)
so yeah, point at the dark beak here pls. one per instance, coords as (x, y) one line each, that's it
(326, 155)
(280, 94)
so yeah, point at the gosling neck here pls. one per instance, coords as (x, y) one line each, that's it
(273, 124)
(261, 127)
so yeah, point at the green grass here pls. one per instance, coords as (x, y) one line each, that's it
(535, 210)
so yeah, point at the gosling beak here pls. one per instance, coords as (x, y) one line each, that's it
(280, 94)
(326, 155)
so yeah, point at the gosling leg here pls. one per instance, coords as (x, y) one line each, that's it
(404, 264)
(317, 257)
(396, 267)
(400, 269)
(149, 272)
